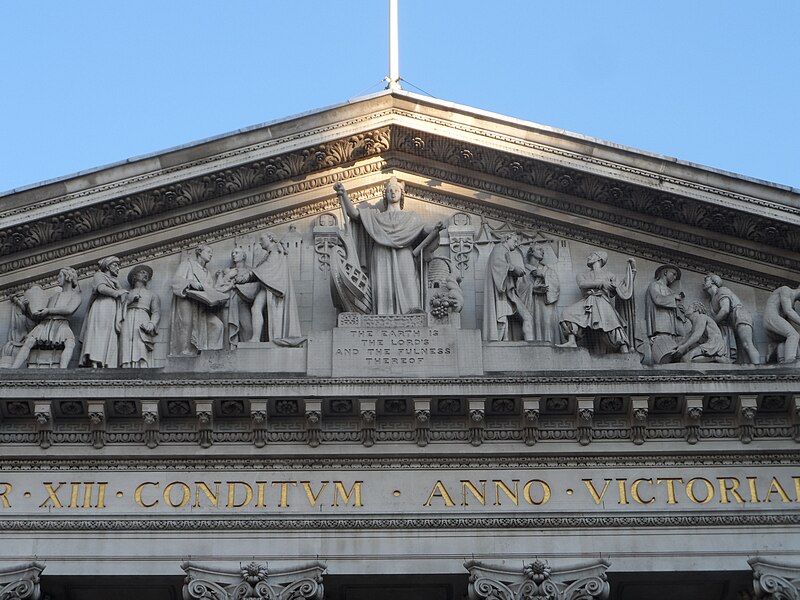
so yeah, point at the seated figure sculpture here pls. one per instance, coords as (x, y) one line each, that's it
(596, 311)
(704, 342)
(53, 330)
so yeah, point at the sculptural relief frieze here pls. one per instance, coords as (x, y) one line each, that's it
(362, 270)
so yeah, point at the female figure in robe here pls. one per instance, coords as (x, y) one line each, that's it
(100, 333)
(385, 238)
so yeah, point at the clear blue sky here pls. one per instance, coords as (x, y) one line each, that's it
(86, 83)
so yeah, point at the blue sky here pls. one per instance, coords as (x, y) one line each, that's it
(87, 83)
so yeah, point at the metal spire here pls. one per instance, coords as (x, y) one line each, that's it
(394, 59)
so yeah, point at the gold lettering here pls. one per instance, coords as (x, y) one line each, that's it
(598, 498)
(355, 491)
(623, 496)
(101, 494)
(200, 486)
(87, 494)
(73, 499)
(313, 498)
(4, 494)
(526, 492)
(52, 494)
(260, 494)
(753, 492)
(248, 494)
(775, 487)
(466, 484)
(137, 495)
(284, 503)
(439, 491)
(635, 491)
(709, 490)
(724, 489)
(796, 489)
(670, 481)
(500, 485)
(187, 494)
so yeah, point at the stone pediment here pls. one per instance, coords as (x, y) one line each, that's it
(279, 172)
(482, 176)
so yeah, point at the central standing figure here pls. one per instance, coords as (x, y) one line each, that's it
(385, 238)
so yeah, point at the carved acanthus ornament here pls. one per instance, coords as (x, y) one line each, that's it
(585, 421)
(694, 413)
(772, 581)
(21, 582)
(537, 581)
(253, 581)
(639, 425)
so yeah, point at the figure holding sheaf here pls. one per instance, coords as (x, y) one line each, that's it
(385, 239)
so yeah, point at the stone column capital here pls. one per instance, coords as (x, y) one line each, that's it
(253, 581)
(774, 581)
(21, 582)
(539, 580)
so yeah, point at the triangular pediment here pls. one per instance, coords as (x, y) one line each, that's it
(620, 197)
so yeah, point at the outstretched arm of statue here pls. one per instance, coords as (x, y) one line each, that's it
(344, 199)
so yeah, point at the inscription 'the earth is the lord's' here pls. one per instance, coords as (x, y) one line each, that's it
(393, 350)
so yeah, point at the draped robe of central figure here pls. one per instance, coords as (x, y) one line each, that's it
(385, 245)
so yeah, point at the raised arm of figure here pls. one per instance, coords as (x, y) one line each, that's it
(344, 198)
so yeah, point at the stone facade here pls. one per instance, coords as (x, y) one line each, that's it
(389, 337)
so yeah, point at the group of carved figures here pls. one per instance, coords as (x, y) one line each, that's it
(676, 331)
(121, 324)
(721, 332)
(119, 328)
(379, 269)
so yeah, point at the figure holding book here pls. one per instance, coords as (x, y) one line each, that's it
(194, 323)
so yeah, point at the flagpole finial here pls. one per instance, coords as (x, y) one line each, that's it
(393, 78)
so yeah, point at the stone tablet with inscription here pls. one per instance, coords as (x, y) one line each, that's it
(407, 351)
